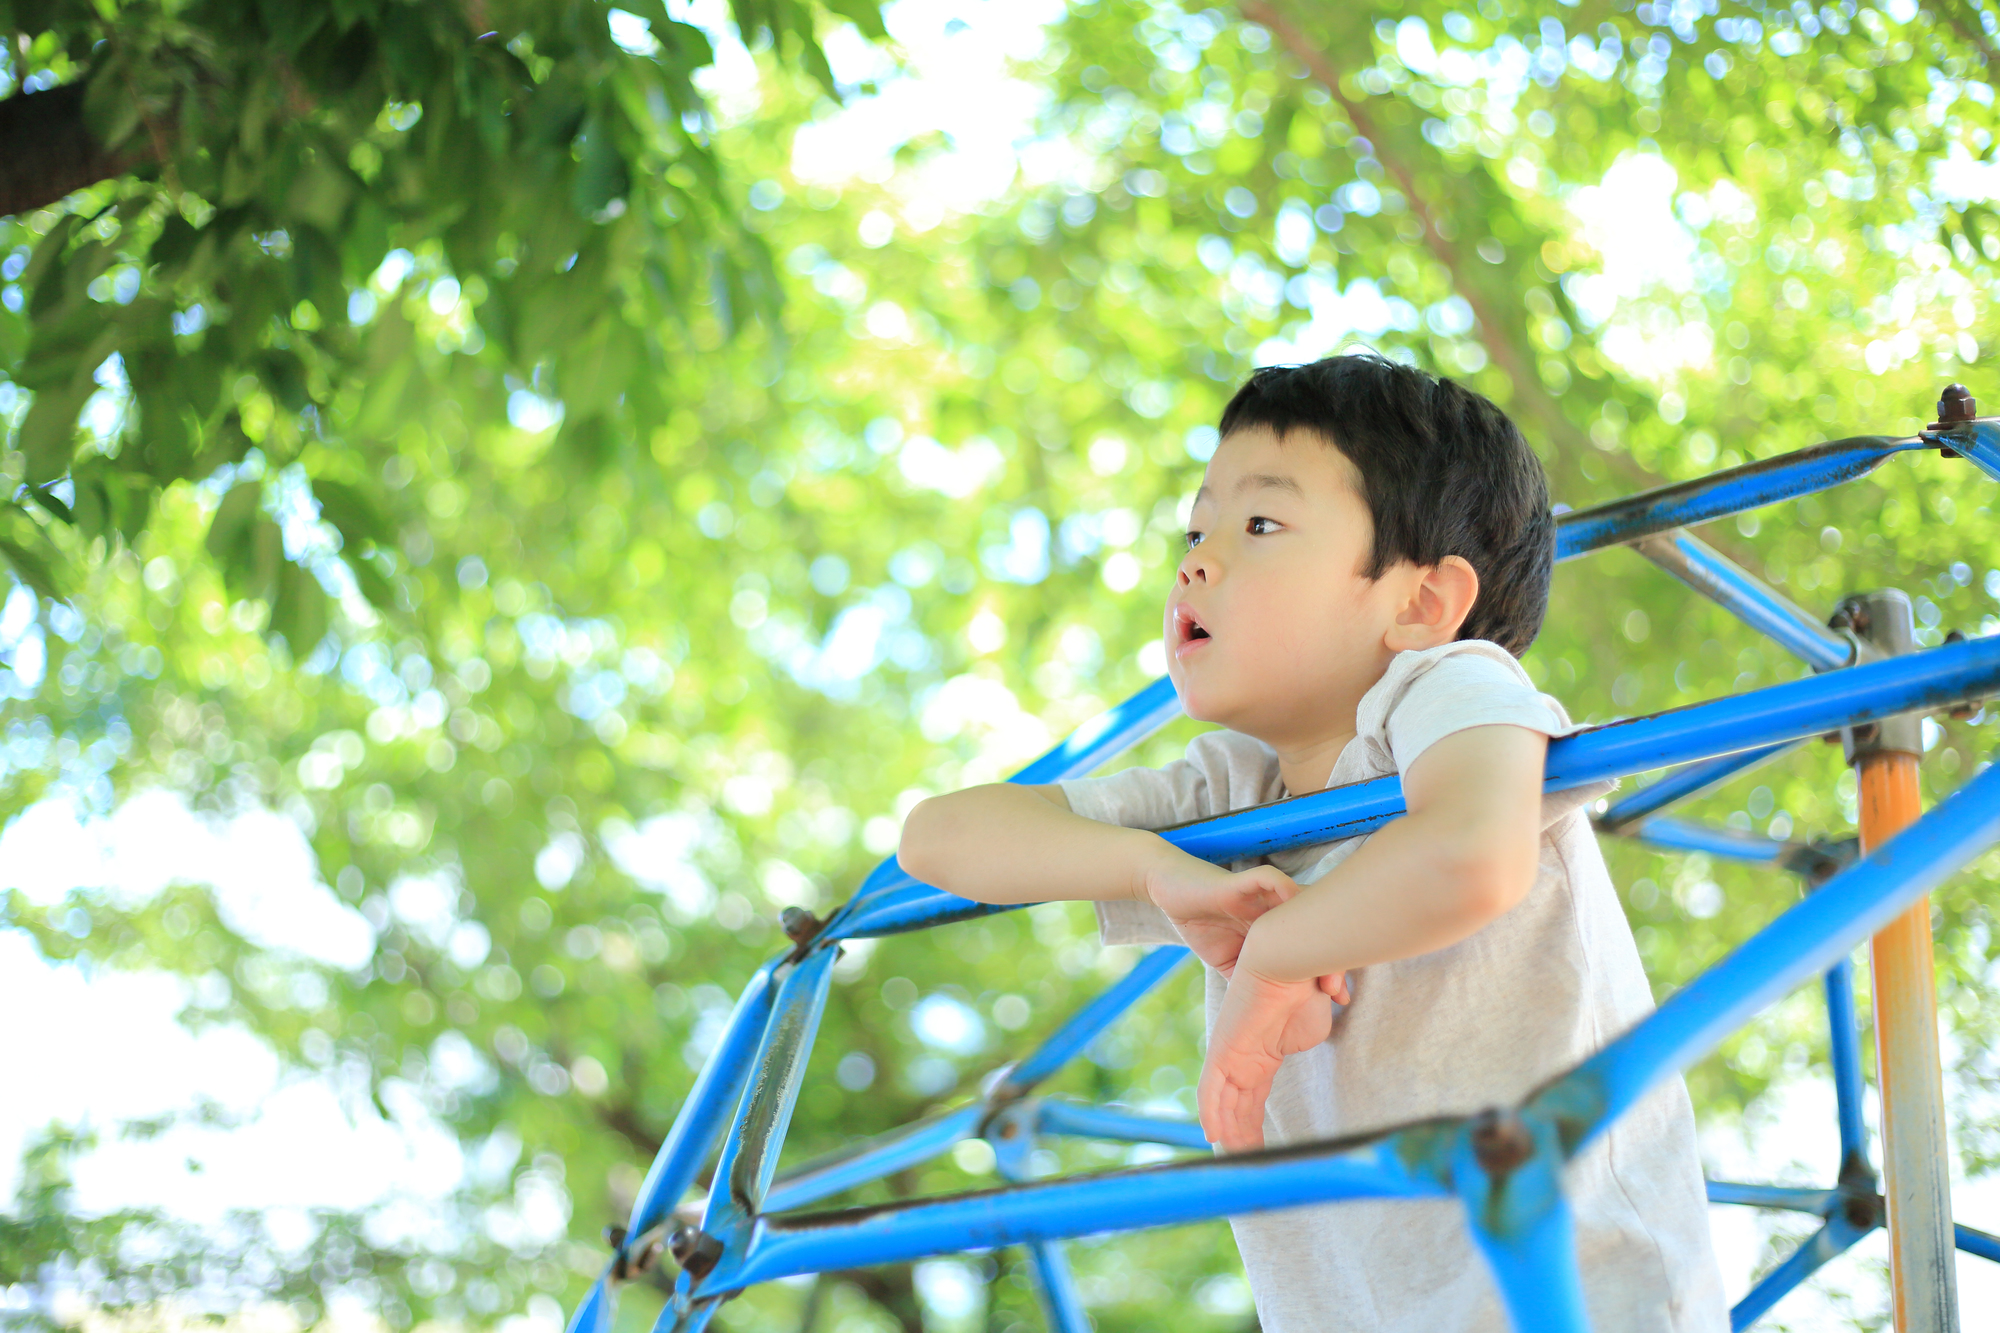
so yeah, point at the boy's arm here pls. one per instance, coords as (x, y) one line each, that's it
(1465, 854)
(1010, 843)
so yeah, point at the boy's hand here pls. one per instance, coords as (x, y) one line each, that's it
(1262, 1021)
(1212, 908)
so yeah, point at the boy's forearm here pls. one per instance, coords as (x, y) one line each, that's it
(1003, 843)
(1418, 885)
(1467, 852)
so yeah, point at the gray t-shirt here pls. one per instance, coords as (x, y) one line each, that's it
(1481, 1023)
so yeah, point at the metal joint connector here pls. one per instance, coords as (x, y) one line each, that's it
(801, 927)
(1956, 406)
(1882, 620)
(1501, 1142)
(695, 1251)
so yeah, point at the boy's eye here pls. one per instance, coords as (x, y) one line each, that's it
(1262, 527)
(1193, 540)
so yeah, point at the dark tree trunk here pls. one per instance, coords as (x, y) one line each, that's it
(47, 151)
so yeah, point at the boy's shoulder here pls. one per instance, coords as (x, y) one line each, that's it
(1424, 696)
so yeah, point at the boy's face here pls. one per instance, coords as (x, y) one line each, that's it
(1271, 628)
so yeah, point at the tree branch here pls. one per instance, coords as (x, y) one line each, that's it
(47, 151)
(1506, 353)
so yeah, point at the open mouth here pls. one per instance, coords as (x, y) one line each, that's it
(1188, 629)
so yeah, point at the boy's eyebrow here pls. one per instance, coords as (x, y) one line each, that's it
(1270, 481)
(1258, 481)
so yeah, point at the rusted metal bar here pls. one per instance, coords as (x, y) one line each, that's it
(1923, 1278)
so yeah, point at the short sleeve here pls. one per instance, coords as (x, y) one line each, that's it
(1427, 696)
(1465, 689)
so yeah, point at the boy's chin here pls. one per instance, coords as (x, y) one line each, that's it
(1201, 705)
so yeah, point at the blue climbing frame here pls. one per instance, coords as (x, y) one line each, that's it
(1504, 1164)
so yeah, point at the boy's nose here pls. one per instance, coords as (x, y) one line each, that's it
(1195, 565)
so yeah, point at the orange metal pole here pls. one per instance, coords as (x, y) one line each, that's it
(1922, 1261)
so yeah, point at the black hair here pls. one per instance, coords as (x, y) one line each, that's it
(1443, 472)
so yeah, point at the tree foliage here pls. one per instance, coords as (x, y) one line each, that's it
(463, 487)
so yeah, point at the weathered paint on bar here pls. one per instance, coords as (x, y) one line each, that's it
(1923, 1277)
(1751, 486)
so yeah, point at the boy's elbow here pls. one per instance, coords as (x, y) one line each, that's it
(1491, 876)
(916, 850)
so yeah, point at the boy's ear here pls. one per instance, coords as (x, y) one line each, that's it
(1438, 601)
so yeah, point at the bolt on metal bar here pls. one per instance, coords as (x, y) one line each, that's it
(1741, 593)
(1977, 440)
(1507, 1170)
(1751, 486)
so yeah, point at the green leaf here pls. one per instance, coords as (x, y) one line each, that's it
(48, 434)
(601, 175)
(27, 551)
(245, 543)
(300, 608)
(374, 584)
(352, 510)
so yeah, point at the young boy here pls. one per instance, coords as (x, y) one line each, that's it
(1370, 549)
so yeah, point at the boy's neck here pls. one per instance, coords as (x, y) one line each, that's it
(1305, 765)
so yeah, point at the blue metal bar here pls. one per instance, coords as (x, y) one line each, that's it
(1844, 1044)
(716, 1089)
(1684, 835)
(1811, 937)
(1977, 440)
(682, 1314)
(1977, 1242)
(1776, 715)
(1088, 748)
(1521, 1222)
(1072, 1120)
(1068, 1041)
(872, 1159)
(1814, 1201)
(1751, 486)
(908, 906)
(750, 1153)
(1830, 1241)
(1745, 596)
(1053, 1284)
(1792, 711)
(784, 1244)
(1682, 783)
(593, 1313)
(1106, 736)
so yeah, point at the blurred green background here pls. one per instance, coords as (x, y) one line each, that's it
(585, 472)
